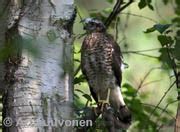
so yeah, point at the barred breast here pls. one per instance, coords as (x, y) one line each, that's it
(97, 60)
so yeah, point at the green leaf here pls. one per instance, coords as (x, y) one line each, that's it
(142, 4)
(131, 91)
(88, 97)
(158, 27)
(178, 2)
(79, 79)
(150, 7)
(161, 28)
(164, 40)
(149, 30)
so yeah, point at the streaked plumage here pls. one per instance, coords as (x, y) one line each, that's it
(101, 61)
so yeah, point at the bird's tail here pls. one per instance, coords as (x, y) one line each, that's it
(117, 102)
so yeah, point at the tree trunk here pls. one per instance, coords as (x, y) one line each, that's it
(177, 125)
(3, 24)
(38, 93)
(3, 18)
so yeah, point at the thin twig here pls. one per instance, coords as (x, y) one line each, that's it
(162, 98)
(150, 56)
(174, 66)
(124, 7)
(160, 108)
(142, 84)
(117, 9)
(131, 14)
(112, 15)
(175, 70)
(164, 110)
(77, 70)
(116, 27)
(144, 78)
(147, 50)
(148, 83)
(157, 11)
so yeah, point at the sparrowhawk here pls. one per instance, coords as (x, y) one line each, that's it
(101, 61)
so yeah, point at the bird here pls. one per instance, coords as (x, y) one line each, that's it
(101, 61)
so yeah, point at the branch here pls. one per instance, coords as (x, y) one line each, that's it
(116, 27)
(108, 115)
(176, 73)
(162, 98)
(77, 70)
(142, 54)
(146, 50)
(148, 83)
(144, 78)
(174, 67)
(162, 109)
(112, 15)
(92, 115)
(111, 121)
(142, 84)
(116, 10)
(148, 18)
(177, 126)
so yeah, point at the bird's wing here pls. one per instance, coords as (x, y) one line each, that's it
(83, 50)
(83, 68)
(116, 61)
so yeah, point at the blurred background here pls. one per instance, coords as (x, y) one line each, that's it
(147, 76)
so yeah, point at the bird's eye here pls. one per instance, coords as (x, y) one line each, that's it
(91, 23)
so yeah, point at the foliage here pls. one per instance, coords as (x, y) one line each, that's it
(170, 43)
(146, 117)
(143, 3)
(158, 27)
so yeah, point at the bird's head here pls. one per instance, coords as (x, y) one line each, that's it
(93, 25)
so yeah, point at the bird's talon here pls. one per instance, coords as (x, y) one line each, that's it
(95, 111)
(103, 103)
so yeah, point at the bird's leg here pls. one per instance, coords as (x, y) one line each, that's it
(104, 102)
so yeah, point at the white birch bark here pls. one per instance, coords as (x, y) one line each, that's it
(42, 87)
